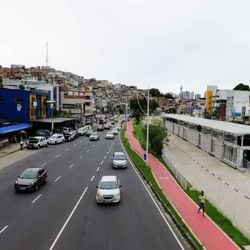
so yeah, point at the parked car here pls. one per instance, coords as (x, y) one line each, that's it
(37, 142)
(82, 130)
(89, 132)
(67, 129)
(119, 160)
(44, 132)
(94, 137)
(56, 138)
(30, 179)
(109, 135)
(108, 190)
(70, 136)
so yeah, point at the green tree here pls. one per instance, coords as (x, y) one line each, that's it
(169, 96)
(241, 86)
(157, 134)
(155, 92)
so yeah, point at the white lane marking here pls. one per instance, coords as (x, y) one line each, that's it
(107, 152)
(75, 145)
(68, 219)
(97, 169)
(57, 156)
(36, 198)
(105, 157)
(44, 164)
(101, 162)
(67, 149)
(93, 146)
(81, 156)
(92, 178)
(71, 165)
(87, 151)
(4, 229)
(80, 140)
(58, 178)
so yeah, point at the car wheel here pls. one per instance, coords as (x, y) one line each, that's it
(36, 187)
(38, 146)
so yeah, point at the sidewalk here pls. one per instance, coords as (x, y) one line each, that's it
(13, 153)
(203, 227)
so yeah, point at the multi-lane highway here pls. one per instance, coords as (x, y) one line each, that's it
(63, 214)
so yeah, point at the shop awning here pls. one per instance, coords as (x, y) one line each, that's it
(14, 128)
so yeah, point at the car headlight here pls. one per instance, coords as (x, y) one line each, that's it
(117, 196)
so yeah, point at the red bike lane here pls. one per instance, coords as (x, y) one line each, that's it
(206, 231)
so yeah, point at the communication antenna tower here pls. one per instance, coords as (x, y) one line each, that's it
(47, 54)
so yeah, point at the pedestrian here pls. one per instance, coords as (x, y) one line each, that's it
(202, 202)
(21, 144)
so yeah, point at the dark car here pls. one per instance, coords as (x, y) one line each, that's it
(44, 132)
(31, 179)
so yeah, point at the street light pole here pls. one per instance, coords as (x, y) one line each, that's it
(147, 128)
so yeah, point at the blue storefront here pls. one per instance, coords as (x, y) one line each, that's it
(21, 108)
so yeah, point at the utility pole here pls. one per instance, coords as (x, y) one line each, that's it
(147, 128)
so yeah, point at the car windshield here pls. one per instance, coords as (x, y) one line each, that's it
(119, 157)
(28, 174)
(53, 137)
(33, 140)
(108, 185)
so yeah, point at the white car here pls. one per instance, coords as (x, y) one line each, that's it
(119, 160)
(56, 138)
(109, 135)
(37, 142)
(108, 190)
(115, 131)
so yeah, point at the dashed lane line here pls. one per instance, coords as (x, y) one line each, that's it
(68, 219)
(81, 156)
(44, 164)
(2, 230)
(87, 151)
(75, 145)
(58, 178)
(101, 162)
(57, 155)
(67, 149)
(92, 178)
(36, 198)
(97, 169)
(105, 157)
(71, 165)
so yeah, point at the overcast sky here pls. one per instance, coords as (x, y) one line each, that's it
(160, 43)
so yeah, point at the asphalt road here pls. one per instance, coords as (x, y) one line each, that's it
(63, 213)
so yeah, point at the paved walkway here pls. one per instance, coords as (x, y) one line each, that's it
(12, 153)
(203, 227)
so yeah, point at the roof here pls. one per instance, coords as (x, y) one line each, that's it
(55, 120)
(14, 128)
(109, 178)
(228, 127)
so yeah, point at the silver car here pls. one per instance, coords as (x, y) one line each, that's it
(108, 190)
(119, 160)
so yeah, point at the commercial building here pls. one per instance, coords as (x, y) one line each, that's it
(227, 141)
